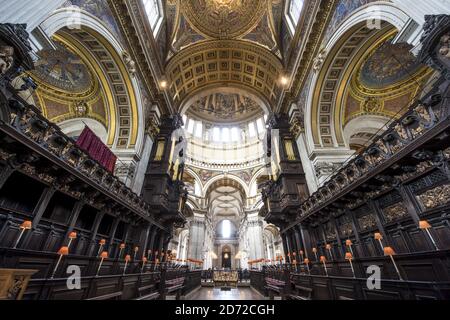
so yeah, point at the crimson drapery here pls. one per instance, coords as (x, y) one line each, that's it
(92, 144)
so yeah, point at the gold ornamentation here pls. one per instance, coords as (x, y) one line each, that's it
(367, 222)
(232, 62)
(371, 105)
(395, 212)
(223, 18)
(435, 197)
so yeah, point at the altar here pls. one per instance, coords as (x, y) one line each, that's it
(225, 279)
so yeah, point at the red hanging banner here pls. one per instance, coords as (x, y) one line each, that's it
(94, 146)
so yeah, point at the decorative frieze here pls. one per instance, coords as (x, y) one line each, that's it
(394, 212)
(435, 197)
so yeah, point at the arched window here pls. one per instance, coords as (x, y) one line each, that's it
(154, 13)
(293, 12)
(226, 229)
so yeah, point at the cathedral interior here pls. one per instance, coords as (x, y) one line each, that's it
(224, 149)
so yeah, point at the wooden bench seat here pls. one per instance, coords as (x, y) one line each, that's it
(274, 286)
(175, 286)
(150, 296)
(110, 296)
(303, 293)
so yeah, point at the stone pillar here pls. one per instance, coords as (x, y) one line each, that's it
(255, 234)
(196, 237)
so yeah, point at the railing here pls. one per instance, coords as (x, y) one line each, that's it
(30, 127)
(424, 276)
(391, 145)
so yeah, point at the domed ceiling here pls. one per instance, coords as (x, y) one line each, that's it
(388, 64)
(225, 107)
(63, 69)
(67, 85)
(223, 18)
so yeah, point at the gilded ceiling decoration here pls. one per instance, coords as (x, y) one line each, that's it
(388, 78)
(225, 107)
(224, 19)
(225, 62)
(388, 64)
(67, 87)
(63, 69)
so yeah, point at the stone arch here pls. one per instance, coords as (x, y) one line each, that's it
(321, 129)
(125, 106)
(226, 176)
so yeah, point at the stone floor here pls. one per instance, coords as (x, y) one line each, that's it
(233, 294)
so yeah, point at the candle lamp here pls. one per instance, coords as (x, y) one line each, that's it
(144, 261)
(136, 249)
(26, 225)
(127, 259)
(306, 261)
(379, 237)
(121, 248)
(388, 251)
(349, 244)
(314, 250)
(102, 244)
(72, 236)
(328, 247)
(63, 251)
(323, 259)
(349, 257)
(425, 226)
(103, 256)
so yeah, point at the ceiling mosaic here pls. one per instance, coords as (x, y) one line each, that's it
(224, 19)
(67, 87)
(225, 107)
(388, 78)
(63, 69)
(388, 64)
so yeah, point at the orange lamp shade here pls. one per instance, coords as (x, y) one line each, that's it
(73, 235)
(26, 225)
(423, 224)
(323, 259)
(388, 251)
(301, 252)
(378, 236)
(127, 257)
(136, 249)
(348, 256)
(122, 246)
(64, 251)
(104, 255)
(306, 261)
(102, 242)
(348, 243)
(328, 246)
(314, 250)
(144, 259)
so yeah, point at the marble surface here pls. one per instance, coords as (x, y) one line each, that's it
(233, 294)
